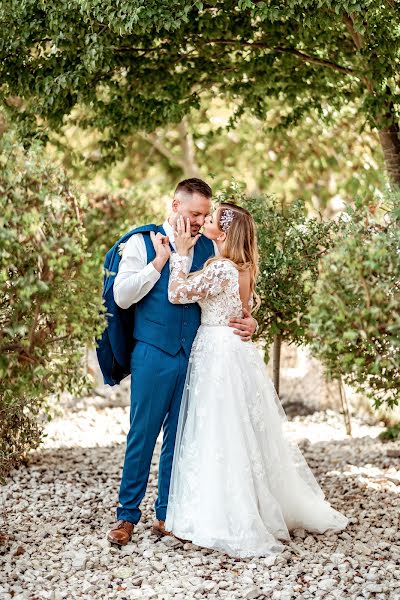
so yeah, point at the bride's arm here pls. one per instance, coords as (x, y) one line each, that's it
(184, 289)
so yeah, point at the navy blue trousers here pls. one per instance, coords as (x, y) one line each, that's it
(156, 392)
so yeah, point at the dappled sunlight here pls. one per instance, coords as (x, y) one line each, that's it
(328, 425)
(76, 486)
(375, 478)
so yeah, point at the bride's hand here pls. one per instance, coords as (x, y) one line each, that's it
(183, 238)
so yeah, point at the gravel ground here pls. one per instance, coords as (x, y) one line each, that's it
(59, 507)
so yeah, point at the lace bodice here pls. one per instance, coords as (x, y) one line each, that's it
(216, 289)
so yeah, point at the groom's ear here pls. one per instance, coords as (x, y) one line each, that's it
(175, 204)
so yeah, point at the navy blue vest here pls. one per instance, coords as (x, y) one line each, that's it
(160, 323)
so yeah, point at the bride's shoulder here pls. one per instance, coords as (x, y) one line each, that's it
(222, 264)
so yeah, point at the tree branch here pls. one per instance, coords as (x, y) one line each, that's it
(308, 58)
(294, 52)
(355, 36)
(33, 327)
(155, 141)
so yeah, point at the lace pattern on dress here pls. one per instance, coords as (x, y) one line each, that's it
(238, 483)
(215, 288)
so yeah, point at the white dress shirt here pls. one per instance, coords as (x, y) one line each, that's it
(135, 278)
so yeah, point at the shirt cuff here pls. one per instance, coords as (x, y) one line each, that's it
(151, 272)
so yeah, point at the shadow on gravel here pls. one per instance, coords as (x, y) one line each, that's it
(73, 488)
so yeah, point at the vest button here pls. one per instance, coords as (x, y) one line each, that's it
(183, 340)
(185, 322)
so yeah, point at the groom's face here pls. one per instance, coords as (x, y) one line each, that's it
(193, 206)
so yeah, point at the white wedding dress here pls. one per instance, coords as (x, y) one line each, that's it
(238, 484)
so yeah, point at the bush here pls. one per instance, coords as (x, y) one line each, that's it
(109, 215)
(291, 245)
(355, 312)
(49, 295)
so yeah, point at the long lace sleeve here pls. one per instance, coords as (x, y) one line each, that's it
(210, 282)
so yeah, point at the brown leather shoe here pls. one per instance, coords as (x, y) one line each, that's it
(159, 528)
(121, 533)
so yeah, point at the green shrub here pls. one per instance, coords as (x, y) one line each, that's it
(355, 312)
(50, 300)
(109, 215)
(390, 433)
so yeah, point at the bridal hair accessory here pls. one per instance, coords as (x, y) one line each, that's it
(226, 219)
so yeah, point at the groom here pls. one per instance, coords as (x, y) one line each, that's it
(163, 335)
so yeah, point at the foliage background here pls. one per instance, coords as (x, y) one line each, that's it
(50, 302)
(354, 314)
(299, 101)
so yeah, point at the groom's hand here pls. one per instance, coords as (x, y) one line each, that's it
(245, 327)
(162, 248)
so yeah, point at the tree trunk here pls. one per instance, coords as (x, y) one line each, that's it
(389, 132)
(3, 125)
(390, 142)
(276, 361)
(190, 166)
(186, 160)
(345, 407)
(389, 135)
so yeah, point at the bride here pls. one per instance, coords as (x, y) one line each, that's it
(238, 484)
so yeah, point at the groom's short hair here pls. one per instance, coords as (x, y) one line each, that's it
(188, 186)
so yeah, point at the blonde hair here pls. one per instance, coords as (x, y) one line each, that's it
(240, 246)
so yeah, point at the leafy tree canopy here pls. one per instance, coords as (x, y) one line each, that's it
(137, 65)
